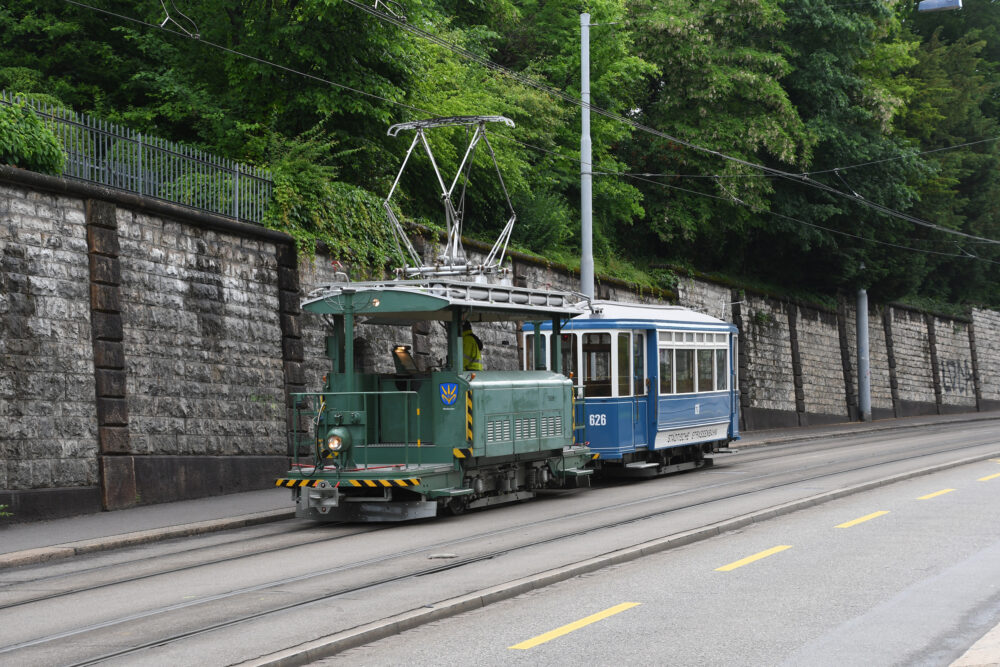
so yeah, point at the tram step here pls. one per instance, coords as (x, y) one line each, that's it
(449, 493)
(641, 465)
(578, 472)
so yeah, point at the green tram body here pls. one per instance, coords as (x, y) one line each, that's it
(392, 447)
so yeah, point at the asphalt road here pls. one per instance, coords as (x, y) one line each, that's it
(291, 591)
(894, 576)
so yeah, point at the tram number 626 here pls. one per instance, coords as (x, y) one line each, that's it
(598, 420)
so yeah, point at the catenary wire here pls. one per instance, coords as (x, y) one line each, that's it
(555, 92)
(628, 175)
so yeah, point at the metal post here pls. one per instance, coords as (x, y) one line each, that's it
(349, 343)
(864, 367)
(236, 193)
(586, 168)
(455, 342)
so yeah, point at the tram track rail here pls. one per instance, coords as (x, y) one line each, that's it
(844, 465)
(796, 451)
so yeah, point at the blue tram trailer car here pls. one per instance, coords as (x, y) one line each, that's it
(658, 384)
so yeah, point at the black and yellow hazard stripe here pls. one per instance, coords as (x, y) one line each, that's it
(462, 452)
(468, 416)
(378, 483)
(293, 483)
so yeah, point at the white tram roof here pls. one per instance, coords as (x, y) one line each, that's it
(619, 315)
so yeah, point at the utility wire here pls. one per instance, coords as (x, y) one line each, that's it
(555, 92)
(735, 200)
(631, 176)
(242, 54)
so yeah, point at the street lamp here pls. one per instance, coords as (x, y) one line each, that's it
(938, 5)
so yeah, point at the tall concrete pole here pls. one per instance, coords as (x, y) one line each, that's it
(586, 168)
(864, 366)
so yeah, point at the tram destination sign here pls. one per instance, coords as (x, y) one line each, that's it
(686, 436)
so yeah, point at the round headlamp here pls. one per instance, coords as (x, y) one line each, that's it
(334, 443)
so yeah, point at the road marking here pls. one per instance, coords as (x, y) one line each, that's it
(755, 557)
(935, 494)
(576, 625)
(862, 519)
(989, 477)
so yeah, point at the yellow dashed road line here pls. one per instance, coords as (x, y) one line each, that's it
(935, 494)
(989, 477)
(566, 629)
(867, 517)
(755, 557)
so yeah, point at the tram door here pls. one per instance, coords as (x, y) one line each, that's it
(630, 352)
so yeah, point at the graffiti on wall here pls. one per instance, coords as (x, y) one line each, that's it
(956, 377)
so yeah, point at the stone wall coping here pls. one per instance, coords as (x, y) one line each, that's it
(138, 203)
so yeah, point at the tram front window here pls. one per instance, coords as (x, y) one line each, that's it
(597, 364)
(529, 347)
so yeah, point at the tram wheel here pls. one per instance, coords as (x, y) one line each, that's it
(456, 506)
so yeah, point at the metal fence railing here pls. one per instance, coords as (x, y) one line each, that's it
(102, 152)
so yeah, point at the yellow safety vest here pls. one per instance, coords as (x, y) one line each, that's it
(472, 355)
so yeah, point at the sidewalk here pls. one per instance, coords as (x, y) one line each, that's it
(26, 543)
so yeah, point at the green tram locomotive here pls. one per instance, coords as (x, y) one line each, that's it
(406, 445)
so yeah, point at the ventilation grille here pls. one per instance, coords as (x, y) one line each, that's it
(526, 429)
(552, 427)
(498, 430)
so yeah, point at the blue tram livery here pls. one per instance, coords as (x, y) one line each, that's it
(658, 384)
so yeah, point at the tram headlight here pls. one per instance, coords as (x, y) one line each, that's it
(338, 439)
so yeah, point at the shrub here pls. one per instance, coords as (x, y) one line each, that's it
(25, 141)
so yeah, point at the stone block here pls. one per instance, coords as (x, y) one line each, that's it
(288, 278)
(106, 270)
(286, 256)
(103, 241)
(294, 373)
(118, 489)
(106, 326)
(109, 354)
(114, 440)
(105, 298)
(112, 411)
(101, 214)
(288, 302)
(291, 349)
(291, 326)
(110, 383)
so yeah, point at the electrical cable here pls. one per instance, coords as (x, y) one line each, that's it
(631, 176)
(555, 92)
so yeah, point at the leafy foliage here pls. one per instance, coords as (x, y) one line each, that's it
(865, 98)
(25, 141)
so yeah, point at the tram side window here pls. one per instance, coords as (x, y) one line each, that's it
(597, 364)
(721, 376)
(624, 363)
(570, 356)
(684, 359)
(639, 364)
(706, 366)
(666, 371)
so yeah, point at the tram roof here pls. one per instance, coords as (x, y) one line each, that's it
(619, 315)
(406, 301)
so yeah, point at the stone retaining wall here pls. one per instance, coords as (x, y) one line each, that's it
(149, 353)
